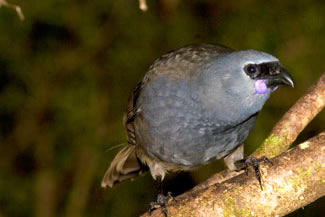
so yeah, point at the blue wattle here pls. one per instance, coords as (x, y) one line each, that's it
(260, 87)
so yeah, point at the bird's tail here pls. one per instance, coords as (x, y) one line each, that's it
(124, 166)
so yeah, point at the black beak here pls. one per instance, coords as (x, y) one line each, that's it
(279, 77)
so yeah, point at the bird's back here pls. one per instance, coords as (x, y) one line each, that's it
(182, 62)
(170, 124)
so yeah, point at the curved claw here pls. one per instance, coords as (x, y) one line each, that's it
(254, 162)
(161, 203)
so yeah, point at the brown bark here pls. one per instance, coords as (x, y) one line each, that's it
(296, 179)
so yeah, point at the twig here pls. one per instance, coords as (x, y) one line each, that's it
(143, 5)
(295, 180)
(12, 6)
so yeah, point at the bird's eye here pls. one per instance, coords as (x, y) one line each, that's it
(250, 69)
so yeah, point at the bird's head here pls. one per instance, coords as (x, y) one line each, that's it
(264, 70)
(255, 71)
(245, 78)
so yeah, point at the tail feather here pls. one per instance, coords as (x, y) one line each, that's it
(124, 166)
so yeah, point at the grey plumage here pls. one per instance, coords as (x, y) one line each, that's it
(195, 104)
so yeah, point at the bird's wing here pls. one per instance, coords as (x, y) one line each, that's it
(131, 113)
(126, 164)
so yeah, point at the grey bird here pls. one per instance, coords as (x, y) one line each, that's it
(195, 104)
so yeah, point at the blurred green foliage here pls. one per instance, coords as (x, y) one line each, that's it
(67, 70)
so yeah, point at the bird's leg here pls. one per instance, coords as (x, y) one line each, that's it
(233, 157)
(162, 200)
(161, 203)
(236, 161)
(244, 164)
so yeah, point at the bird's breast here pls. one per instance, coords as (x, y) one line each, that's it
(174, 127)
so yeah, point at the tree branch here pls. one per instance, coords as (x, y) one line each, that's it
(12, 6)
(296, 179)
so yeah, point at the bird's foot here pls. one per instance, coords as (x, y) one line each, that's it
(161, 203)
(254, 162)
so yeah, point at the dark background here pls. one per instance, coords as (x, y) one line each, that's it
(66, 73)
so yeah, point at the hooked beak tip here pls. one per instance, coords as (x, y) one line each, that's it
(286, 78)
